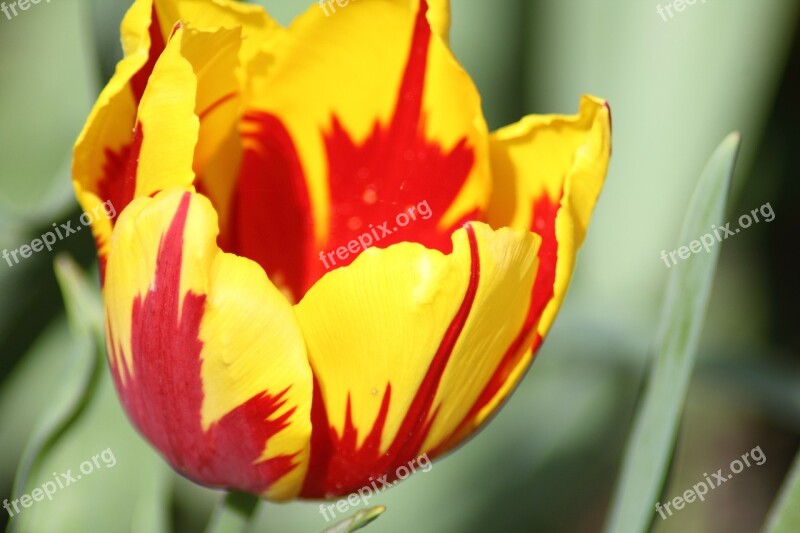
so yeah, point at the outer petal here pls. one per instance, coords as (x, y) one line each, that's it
(438, 16)
(548, 171)
(402, 342)
(207, 355)
(107, 151)
(335, 144)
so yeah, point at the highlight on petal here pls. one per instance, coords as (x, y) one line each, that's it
(402, 343)
(344, 144)
(548, 171)
(206, 353)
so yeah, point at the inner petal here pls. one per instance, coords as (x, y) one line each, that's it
(395, 183)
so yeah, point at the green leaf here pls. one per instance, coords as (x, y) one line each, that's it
(357, 521)
(785, 514)
(129, 489)
(81, 377)
(652, 441)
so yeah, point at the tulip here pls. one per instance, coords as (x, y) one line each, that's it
(322, 264)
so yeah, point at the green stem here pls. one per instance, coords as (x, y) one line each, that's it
(234, 513)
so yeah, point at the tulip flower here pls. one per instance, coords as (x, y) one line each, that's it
(322, 265)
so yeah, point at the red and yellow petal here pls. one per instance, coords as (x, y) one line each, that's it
(548, 171)
(163, 141)
(107, 152)
(547, 174)
(208, 357)
(438, 16)
(334, 145)
(402, 342)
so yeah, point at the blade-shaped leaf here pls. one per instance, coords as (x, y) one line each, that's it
(84, 311)
(785, 514)
(129, 490)
(652, 441)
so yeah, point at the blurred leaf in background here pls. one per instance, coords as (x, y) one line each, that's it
(650, 446)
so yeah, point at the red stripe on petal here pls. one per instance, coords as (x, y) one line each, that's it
(272, 217)
(119, 173)
(544, 224)
(118, 180)
(140, 79)
(396, 168)
(118, 183)
(163, 395)
(337, 465)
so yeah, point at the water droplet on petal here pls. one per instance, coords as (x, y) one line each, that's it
(353, 223)
(370, 195)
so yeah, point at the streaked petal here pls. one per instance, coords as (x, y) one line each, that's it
(402, 342)
(206, 353)
(104, 147)
(438, 16)
(548, 171)
(106, 154)
(354, 143)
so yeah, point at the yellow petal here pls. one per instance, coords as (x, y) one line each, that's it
(106, 152)
(102, 150)
(438, 16)
(167, 124)
(360, 141)
(547, 175)
(548, 171)
(208, 357)
(402, 342)
(315, 81)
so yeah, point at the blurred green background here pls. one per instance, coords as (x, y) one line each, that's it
(549, 460)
